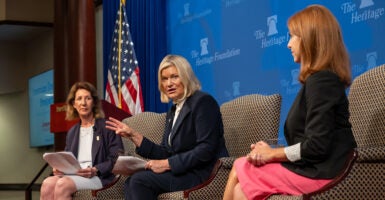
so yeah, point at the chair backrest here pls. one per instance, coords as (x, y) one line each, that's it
(150, 124)
(367, 107)
(248, 119)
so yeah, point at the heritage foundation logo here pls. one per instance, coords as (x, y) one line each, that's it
(204, 56)
(366, 11)
(272, 38)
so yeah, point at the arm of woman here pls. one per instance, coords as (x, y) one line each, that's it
(158, 166)
(124, 130)
(261, 153)
(323, 92)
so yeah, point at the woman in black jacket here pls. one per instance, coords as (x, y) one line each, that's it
(193, 138)
(317, 128)
(95, 147)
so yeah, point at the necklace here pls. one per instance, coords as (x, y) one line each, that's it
(88, 123)
(85, 131)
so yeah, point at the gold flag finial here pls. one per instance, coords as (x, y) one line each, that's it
(123, 2)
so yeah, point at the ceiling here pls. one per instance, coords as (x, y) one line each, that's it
(21, 33)
(21, 22)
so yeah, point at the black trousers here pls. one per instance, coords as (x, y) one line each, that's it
(147, 185)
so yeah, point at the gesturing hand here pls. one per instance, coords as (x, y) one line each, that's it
(119, 127)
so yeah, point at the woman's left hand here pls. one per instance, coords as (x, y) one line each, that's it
(158, 166)
(260, 154)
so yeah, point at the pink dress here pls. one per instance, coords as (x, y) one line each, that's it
(264, 181)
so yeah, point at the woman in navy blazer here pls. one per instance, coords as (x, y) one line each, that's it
(317, 128)
(95, 147)
(193, 138)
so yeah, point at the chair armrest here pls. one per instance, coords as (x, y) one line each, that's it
(341, 176)
(227, 162)
(113, 182)
(214, 172)
(371, 154)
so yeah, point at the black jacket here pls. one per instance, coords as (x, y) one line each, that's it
(105, 148)
(197, 138)
(319, 120)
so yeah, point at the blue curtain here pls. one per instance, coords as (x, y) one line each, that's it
(147, 20)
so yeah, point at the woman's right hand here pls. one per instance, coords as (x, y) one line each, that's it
(119, 127)
(262, 153)
(124, 130)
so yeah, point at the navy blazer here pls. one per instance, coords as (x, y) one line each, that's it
(196, 139)
(319, 120)
(106, 146)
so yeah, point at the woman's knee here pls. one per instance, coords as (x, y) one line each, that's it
(140, 186)
(238, 193)
(132, 181)
(65, 185)
(49, 183)
(138, 180)
(47, 189)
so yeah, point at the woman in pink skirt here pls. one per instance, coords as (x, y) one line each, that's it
(317, 128)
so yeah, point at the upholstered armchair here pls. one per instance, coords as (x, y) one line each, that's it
(150, 123)
(366, 178)
(246, 119)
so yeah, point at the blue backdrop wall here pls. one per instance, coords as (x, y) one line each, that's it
(239, 47)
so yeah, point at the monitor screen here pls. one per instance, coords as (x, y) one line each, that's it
(40, 100)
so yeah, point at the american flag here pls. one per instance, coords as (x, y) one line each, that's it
(123, 87)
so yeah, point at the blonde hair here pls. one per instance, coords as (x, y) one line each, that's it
(72, 113)
(186, 74)
(321, 45)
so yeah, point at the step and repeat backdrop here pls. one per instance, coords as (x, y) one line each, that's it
(239, 47)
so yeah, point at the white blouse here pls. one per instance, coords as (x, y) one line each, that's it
(85, 146)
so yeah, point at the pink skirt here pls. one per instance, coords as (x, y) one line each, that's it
(264, 181)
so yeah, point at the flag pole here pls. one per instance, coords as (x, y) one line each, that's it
(119, 54)
(123, 90)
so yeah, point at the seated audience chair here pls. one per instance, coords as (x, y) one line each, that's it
(246, 119)
(366, 179)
